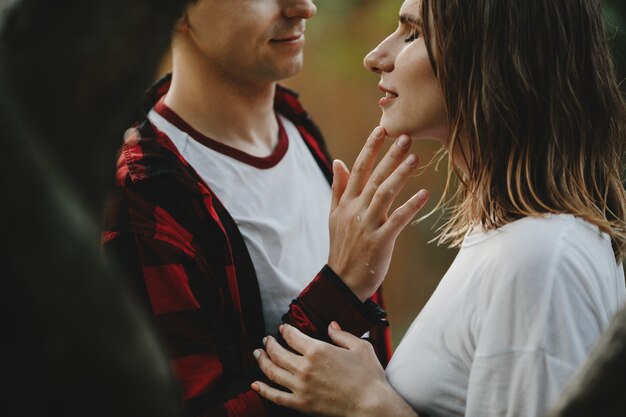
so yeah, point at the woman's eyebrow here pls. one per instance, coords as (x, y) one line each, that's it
(410, 20)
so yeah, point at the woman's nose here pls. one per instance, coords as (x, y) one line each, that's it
(379, 60)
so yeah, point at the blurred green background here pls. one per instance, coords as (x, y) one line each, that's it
(343, 98)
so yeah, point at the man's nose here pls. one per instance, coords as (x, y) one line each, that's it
(304, 9)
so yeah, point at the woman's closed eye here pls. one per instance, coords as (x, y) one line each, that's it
(414, 35)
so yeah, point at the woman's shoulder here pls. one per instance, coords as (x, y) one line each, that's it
(536, 250)
(538, 238)
(542, 271)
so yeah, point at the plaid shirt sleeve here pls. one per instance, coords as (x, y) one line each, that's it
(327, 298)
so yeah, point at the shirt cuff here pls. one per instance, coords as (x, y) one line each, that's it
(328, 298)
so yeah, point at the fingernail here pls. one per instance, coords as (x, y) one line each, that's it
(378, 132)
(422, 194)
(334, 325)
(264, 340)
(280, 328)
(255, 387)
(404, 141)
(411, 160)
(256, 353)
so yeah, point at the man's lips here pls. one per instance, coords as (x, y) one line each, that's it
(288, 38)
(390, 96)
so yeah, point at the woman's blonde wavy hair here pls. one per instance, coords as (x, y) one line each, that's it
(531, 87)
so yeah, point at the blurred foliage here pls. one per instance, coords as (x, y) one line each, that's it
(343, 97)
(349, 28)
(335, 16)
(615, 11)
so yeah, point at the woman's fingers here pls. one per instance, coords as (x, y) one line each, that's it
(394, 157)
(387, 192)
(403, 214)
(274, 372)
(341, 175)
(281, 356)
(330, 380)
(364, 163)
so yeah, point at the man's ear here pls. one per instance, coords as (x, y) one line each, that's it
(182, 24)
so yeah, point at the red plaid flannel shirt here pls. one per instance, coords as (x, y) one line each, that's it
(187, 260)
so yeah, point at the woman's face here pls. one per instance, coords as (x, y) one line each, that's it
(413, 103)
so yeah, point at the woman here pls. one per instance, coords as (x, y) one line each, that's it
(524, 98)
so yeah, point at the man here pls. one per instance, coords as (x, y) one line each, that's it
(221, 210)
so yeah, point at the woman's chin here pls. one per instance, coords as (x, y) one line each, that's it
(391, 132)
(395, 130)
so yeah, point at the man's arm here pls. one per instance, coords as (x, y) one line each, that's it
(195, 307)
(205, 346)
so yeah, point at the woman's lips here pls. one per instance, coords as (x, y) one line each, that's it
(389, 97)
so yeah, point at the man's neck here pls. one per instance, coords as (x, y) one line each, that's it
(233, 112)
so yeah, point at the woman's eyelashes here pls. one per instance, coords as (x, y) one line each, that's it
(414, 35)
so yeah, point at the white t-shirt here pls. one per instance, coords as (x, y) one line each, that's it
(511, 320)
(280, 204)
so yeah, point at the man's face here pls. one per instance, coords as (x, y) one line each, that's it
(249, 40)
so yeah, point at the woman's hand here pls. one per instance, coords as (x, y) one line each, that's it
(362, 234)
(327, 380)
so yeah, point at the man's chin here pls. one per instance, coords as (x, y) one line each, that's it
(290, 69)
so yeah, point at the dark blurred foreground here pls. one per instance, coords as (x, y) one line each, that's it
(599, 389)
(73, 342)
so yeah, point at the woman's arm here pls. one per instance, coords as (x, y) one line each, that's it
(343, 380)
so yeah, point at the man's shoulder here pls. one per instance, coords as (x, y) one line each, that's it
(155, 191)
(149, 155)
